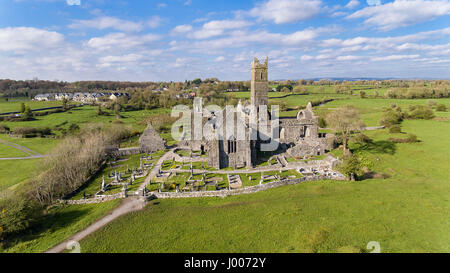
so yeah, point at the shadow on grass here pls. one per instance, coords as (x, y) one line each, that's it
(380, 147)
(49, 223)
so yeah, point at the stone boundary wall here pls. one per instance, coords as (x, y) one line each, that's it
(95, 200)
(128, 151)
(221, 193)
(246, 190)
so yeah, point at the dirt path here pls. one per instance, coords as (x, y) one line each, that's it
(169, 155)
(31, 153)
(128, 205)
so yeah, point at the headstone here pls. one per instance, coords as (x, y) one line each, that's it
(103, 183)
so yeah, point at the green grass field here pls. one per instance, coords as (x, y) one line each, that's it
(8, 151)
(13, 105)
(13, 172)
(61, 223)
(9, 174)
(407, 212)
(84, 115)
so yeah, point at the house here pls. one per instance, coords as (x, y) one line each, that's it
(116, 95)
(61, 96)
(43, 97)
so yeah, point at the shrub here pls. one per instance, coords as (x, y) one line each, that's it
(350, 166)
(391, 117)
(299, 89)
(395, 129)
(410, 139)
(32, 132)
(421, 112)
(362, 138)
(431, 103)
(16, 214)
(322, 123)
(441, 108)
(4, 129)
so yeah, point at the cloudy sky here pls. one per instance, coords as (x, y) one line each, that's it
(149, 40)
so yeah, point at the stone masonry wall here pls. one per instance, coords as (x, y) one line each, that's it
(246, 190)
(97, 199)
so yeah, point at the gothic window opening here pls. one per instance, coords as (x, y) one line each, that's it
(231, 146)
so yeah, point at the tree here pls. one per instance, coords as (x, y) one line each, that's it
(343, 121)
(197, 81)
(117, 110)
(64, 104)
(299, 89)
(350, 166)
(22, 107)
(322, 123)
(27, 114)
(285, 90)
(441, 108)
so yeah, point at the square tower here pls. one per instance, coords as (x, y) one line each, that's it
(259, 83)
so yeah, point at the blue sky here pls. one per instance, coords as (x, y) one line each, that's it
(183, 39)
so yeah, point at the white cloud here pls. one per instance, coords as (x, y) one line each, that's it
(286, 11)
(218, 27)
(121, 40)
(359, 43)
(121, 58)
(73, 2)
(401, 13)
(188, 2)
(394, 58)
(154, 22)
(182, 29)
(349, 58)
(352, 4)
(20, 39)
(220, 59)
(373, 2)
(106, 22)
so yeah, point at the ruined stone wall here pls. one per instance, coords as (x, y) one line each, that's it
(95, 200)
(246, 190)
(150, 141)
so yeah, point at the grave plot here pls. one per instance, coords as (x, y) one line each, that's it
(116, 175)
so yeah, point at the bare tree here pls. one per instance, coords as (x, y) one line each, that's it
(344, 121)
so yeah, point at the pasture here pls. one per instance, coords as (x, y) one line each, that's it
(404, 213)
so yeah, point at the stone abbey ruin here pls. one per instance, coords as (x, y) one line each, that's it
(297, 136)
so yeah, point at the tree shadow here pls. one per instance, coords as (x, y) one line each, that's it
(46, 224)
(379, 147)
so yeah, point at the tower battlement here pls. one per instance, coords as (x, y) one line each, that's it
(259, 82)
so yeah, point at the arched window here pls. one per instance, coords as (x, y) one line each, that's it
(232, 146)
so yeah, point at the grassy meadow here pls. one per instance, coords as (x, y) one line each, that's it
(407, 212)
(62, 222)
(9, 176)
(13, 105)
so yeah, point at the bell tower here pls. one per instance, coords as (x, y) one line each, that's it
(259, 83)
